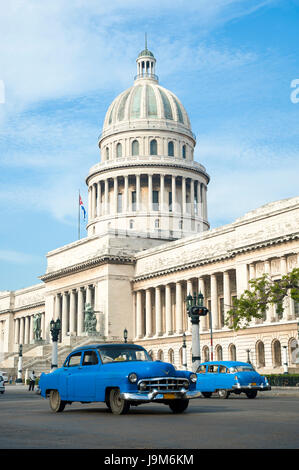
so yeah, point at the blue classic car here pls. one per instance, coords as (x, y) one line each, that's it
(225, 377)
(119, 375)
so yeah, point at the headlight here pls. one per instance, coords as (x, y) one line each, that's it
(193, 378)
(132, 377)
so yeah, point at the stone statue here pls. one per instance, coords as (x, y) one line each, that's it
(90, 320)
(37, 326)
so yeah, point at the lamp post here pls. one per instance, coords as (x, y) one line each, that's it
(195, 310)
(248, 356)
(20, 365)
(125, 335)
(285, 364)
(55, 327)
(184, 351)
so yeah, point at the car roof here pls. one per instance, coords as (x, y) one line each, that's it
(107, 345)
(225, 363)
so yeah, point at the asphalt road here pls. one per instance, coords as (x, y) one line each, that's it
(268, 422)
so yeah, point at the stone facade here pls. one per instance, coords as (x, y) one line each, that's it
(148, 245)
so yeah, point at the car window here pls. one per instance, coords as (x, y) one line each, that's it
(90, 358)
(122, 353)
(223, 370)
(213, 368)
(245, 368)
(74, 360)
(201, 370)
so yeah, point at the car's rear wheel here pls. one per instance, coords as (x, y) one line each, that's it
(118, 405)
(178, 406)
(251, 393)
(223, 393)
(56, 404)
(206, 394)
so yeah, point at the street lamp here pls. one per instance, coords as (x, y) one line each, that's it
(20, 365)
(125, 335)
(248, 356)
(55, 327)
(195, 310)
(184, 352)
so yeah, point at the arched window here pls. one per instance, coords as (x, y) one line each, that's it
(206, 354)
(107, 153)
(153, 147)
(260, 354)
(135, 147)
(170, 149)
(293, 345)
(171, 356)
(151, 354)
(160, 355)
(131, 223)
(119, 150)
(219, 355)
(232, 353)
(184, 151)
(276, 353)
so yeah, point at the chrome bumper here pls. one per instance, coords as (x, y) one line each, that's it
(157, 395)
(251, 387)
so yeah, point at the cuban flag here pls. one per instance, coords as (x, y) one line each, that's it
(82, 206)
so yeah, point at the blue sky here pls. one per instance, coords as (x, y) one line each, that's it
(62, 62)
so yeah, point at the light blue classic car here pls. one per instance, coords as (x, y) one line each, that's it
(226, 377)
(120, 375)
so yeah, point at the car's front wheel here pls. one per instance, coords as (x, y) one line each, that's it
(223, 393)
(178, 406)
(56, 404)
(251, 393)
(118, 405)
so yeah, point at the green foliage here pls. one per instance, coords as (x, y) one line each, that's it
(262, 292)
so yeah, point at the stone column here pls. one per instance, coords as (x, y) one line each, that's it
(64, 319)
(126, 193)
(72, 312)
(148, 313)
(115, 193)
(31, 332)
(138, 315)
(106, 196)
(80, 326)
(88, 294)
(17, 330)
(162, 193)
(205, 206)
(173, 190)
(179, 309)
(184, 208)
(201, 288)
(89, 203)
(226, 294)
(138, 193)
(22, 324)
(26, 340)
(158, 311)
(192, 196)
(99, 213)
(214, 302)
(168, 316)
(150, 193)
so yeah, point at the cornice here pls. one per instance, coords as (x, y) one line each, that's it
(229, 255)
(75, 268)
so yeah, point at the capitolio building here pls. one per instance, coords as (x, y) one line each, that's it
(149, 245)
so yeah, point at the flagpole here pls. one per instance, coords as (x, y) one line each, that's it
(79, 216)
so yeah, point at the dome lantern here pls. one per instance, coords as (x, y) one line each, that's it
(146, 64)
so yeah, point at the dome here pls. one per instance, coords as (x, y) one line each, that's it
(146, 100)
(146, 53)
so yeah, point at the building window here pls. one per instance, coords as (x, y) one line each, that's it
(206, 353)
(219, 355)
(276, 353)
(119, 150)
(170, 201)
(170, 149)
(160, 355)
(296, 308)
(232, 353)
(221, 312)
(260, 354)
(131, 223)
(293, 345)
(157, 223)
(135, 147)
(107, 153)
(153, 147)
(155, 200)
(133, 200)
(171, 356)
(184, 151)
(181, 224)
(119, 202)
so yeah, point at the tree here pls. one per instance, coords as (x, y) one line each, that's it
(262, 293)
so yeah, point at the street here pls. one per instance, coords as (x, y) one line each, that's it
(267, 422)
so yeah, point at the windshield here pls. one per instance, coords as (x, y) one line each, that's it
(123, 353)
(246, 368)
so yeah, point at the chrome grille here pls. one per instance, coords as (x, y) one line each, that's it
(163, 384)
